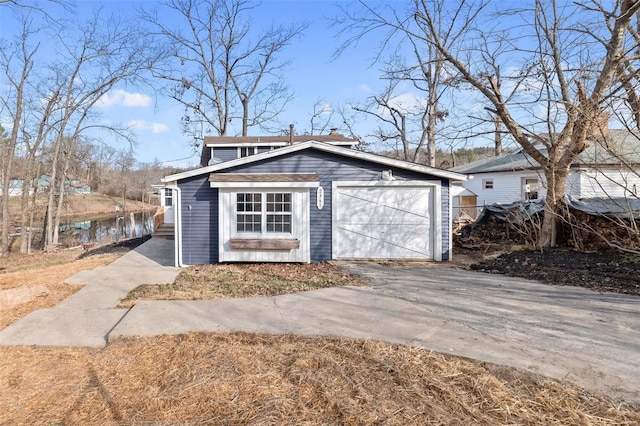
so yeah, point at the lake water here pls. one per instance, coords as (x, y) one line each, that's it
(76, 232)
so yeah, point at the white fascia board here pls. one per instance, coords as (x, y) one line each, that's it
(405, 183)
(245, 144)
(264, 184)
(347, 152)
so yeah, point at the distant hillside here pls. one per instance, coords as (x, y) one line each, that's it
(89, 205)
(446, 160)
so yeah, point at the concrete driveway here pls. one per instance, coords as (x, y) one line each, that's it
(588, 338)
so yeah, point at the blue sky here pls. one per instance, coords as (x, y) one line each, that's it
(311, 76)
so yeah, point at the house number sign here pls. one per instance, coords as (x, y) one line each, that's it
(320, 197)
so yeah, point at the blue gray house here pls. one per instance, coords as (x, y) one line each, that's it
(307, 199)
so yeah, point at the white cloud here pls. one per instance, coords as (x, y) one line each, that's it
(136, 124)
(326, 109)
(365, 88)
(159, 128)
(122, 97)
(407, 103)
(144, 125)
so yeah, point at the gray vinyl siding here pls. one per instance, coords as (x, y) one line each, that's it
(200, 222)
(332, 167)
(446, 220)
(225, 153)
(262, 149)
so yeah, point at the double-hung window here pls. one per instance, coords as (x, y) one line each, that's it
(168, 197)
(263, 212)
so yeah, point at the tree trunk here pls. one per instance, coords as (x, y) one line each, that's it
(245, 117)
(498, 136)
(431, 141)
(49, 243)
(27, 184)
(556, 181)
(6, 179)
(32, 210)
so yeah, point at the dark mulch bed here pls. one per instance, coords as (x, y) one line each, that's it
(603, 271)
(119, 247)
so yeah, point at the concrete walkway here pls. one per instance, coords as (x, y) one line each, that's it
(87, 317)
(569, 333)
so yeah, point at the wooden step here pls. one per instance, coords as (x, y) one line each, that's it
(165, 230)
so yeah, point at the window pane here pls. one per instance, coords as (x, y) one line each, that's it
(278, 223)
(248, 203)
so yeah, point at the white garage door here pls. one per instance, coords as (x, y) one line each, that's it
(392, 222)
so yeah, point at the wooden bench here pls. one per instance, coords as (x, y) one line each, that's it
(265, 244)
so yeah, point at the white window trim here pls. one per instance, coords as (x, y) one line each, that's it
(523, 182)
(436, 202)
(263, 213)
(300, 226)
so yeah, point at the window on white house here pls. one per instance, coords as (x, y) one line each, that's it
(168, 197)
(487, 183)
(263, 213)
(530, 188)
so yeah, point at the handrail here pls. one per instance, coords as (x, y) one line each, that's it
(158, 218)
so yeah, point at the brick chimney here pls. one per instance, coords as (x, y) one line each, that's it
(600, 128)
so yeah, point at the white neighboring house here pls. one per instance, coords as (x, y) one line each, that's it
(608, 168)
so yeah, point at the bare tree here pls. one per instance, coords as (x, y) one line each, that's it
(217, 69)
(414, 68)
(565, 61)
(104, 52)
(17, 65)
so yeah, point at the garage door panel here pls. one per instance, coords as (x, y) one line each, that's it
(369, 241)
(389, 207)
(384, 222)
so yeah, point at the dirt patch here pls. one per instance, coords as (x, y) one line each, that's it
(244, 280)
(608, 271)
(244, 378)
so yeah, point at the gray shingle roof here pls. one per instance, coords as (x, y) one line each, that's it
(618, 145)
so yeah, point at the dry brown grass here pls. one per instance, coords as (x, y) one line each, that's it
(258, 379)
(80, 205)
(46, 270)
(244, 280)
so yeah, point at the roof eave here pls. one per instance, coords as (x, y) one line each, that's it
(322, 146)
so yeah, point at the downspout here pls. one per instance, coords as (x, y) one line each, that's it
(177, 219)
(450, 223)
